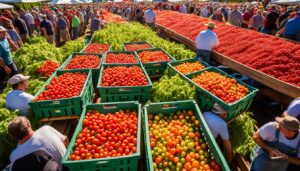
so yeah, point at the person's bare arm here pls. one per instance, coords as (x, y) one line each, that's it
(5, 67)
(44, 31)
(11, 42)
(259, 141)
(66, 141)
(228, 150)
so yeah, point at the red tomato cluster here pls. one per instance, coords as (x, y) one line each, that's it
(96, 48)
(120, 58)
(106, 135)
(63, 86)
(227, 89)
(274, 56)
(47, 69)
(109, 17)
(134, 47)
(177, 144)
(123, 76)
(153, 56)
(84, 61)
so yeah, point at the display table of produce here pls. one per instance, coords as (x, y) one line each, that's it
(269, 60)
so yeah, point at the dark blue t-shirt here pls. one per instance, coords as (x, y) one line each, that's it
(48, 26)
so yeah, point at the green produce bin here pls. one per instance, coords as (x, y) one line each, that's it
(122, 163)
(167, 108)
(83, 50)
(118, 52)
(207, 99)
(173, 71)
(64, 106)
(156, 69)
(95, 71)
(124, 93)
(131, 43)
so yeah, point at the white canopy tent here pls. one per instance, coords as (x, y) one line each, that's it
(21, 1)
(86, 1)
(5, 6)
(287, 2)
(65, 2)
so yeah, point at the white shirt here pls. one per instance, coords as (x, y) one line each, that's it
(183, 9)
(204, 12)
(29, 18)
(17, 99)
(206, 40)
(217, 125)
(268, 133)
(294, 108)
(149, 16)
(45, 138)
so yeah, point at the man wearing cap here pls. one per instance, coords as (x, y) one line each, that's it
(218, 127)
(20, 26)
(7, 65)
(205, 41)
(47, 29)
(278, 145)
(292, 27)
(18, 98)
(63, 30)
(150, 17)
(96, 24)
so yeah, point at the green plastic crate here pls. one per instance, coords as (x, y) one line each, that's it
(171, 107)
(207, 99)
(95, 71)
(124, 93)
(130, 43)
(122, 163)
(156, 69)
(173, 71)
(83, 50)
(64, 106)
(118, 52)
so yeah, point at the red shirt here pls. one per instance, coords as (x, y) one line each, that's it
(247, 16)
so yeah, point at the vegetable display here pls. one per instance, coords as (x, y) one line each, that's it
(47, 69)
(241, 132)
(177, 144)
(63, 86)
(135, 47)
(120, 58)
(106, 135)
(172, 89)
(123, 76)
(271, 55)
(153, 56)
(84, 61)
(117, 34)
(97, 48)
(189, 67)
(225, 88)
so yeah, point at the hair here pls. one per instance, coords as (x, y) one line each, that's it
(15, 86)
(19, 128)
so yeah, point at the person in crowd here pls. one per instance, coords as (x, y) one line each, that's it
(13, 34)
(18, 98)
(96, 24)
(149, 17)
(30, 22)
(75, 27)
(7, 65)
(271, 22)
(205, 41)
(139, 15)
(285, 14)
(235, 17)
(204, 12)
(246, 18)
(81, 20)
(225, 12)
(218, 16)
(281, 27)
(257, 21)
(218, 127)
(20, 26)
(278, 145)
(63, 30)
(47, 29)
(183, 9)
(292, 28)
(45, 138)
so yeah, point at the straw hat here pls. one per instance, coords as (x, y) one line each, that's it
(211, 25)
(2, 29)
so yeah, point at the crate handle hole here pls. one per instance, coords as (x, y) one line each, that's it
(125, 89)
(124, 97)
(109, 107)
(102, 162)
(156, 65)
(170, 106)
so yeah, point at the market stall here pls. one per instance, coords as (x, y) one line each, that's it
(5, 6)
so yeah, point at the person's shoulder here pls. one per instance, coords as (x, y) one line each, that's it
(270, 125)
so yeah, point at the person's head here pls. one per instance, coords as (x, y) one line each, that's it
(151, 8)
(219, 110)
(19, 82)
(235, 7)
(43, 16)
(2, 32)
(19, 128)
(288, 125)
(60, 14)
(15, 14)
(259, 12)
(273, 8)
(211, 25)
(292, 15)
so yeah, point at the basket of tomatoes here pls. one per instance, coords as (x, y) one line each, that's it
(121, 57)
(96, 48)
(186, 66)
(134, 46)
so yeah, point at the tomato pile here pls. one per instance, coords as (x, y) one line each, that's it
(134, 47)
(227, 89)
(153, 56)
(47, 69)
(63, 86)
(84, 61)
(106, 135)
(189, 67)
(97, 48)
(176, 143)
(123, 76)
(269, 54)
(120, 58)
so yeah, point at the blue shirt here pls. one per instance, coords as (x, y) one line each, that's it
(61, 23)
(95, 24)
(5, 52)
(150, 16)
(292, 26)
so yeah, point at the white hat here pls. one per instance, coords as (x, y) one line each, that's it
(17, 78)
(218, 109)
(2, 29)
(211, 25)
